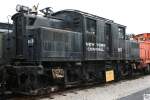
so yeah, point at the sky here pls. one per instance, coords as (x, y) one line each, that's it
(135, 14)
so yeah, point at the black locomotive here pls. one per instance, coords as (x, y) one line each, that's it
(63, 49)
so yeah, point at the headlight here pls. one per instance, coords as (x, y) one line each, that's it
(21, 8)
(18, 8)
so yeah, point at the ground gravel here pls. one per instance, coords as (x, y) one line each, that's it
(107, 92)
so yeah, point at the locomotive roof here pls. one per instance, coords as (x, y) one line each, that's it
(86, 14)
(74, 11)
(82, 13)
(37, 16)
(5, 26)
(143, 34)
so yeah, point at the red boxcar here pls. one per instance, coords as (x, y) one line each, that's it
(144, 44)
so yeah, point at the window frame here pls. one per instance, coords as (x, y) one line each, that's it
(92, 31)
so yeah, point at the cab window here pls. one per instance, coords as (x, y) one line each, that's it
(121, 32)
(91, 26)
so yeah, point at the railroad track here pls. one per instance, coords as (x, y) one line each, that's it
(63, 92)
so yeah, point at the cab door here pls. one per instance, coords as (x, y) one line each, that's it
(90, 38)
(108, 39)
